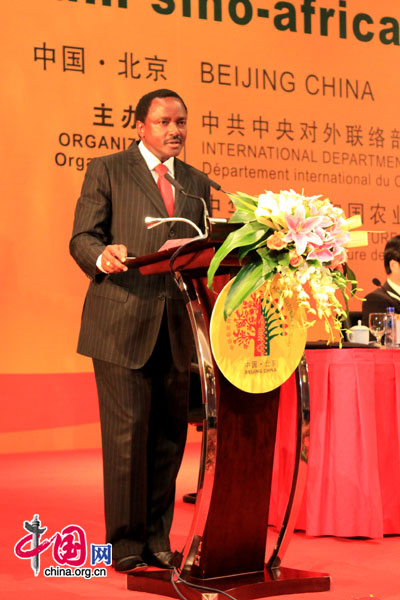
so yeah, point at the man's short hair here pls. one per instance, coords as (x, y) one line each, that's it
(391, 252)
(142, 107)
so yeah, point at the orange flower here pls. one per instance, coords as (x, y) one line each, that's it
(294, 258)
(276, 242)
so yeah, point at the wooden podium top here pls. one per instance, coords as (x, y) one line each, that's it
(196, 252)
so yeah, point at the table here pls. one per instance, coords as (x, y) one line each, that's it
(353, 478)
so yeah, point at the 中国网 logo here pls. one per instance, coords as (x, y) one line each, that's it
(69, 549)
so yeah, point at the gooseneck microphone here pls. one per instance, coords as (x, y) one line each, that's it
(180, 189)
(376, 282)
(204, 235)
(210, 182)
(155, 221)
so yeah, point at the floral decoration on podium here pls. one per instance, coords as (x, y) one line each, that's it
(293, 251)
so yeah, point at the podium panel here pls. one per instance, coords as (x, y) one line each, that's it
(225, 547)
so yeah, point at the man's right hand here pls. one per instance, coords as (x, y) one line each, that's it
(113, 258)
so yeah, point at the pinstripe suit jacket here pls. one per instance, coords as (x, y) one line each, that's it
(123, 311)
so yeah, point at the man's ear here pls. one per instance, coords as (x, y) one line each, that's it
(139, 128)
(394, 267)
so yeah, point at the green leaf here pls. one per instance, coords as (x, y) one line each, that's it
(284, 259)
(244, 201)
(242, 252)
(242, 216)
(341, 282)
(259, 245)
(249, 234)
(350, 275)
(269, 263)
(314, 263)
(348, 272)
(249, 279)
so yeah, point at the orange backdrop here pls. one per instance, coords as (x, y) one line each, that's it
(281, 95)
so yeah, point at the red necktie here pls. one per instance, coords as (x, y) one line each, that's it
(165, 188)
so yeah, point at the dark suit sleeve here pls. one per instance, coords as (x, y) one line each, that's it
(92, 218)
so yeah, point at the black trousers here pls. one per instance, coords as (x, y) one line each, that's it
(143, 416)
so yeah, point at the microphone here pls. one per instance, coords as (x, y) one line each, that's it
(155, 221)
(180, 189)
(376, 282)
(179, 281)
(212, 183)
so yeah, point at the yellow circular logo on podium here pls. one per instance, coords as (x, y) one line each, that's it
(259, 345)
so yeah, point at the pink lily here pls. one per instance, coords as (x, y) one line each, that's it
(340, 235)
(322, 253)
(302, 229)
(339, 259)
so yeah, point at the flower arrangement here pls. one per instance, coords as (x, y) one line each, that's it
(297, 242)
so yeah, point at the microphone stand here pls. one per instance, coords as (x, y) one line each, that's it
(154, 222)
(180, 190)
(207, 220)
(179, 282)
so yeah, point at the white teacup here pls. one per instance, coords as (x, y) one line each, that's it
(359, 334)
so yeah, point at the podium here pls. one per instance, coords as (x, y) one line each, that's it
(226, 545)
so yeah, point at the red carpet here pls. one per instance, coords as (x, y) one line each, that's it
(66, 488)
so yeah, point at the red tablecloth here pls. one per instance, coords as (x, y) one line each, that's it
(353, 478)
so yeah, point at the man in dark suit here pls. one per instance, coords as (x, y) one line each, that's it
(136, 328)
(387, 294)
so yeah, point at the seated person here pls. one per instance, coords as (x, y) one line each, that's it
(387, 294)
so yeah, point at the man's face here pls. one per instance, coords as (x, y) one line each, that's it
(164, 129)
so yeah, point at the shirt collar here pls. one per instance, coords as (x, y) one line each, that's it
(394, 286)
(152, 161)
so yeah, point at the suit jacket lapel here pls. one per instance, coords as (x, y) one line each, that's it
(145, 181)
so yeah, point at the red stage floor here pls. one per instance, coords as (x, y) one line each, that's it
(66, 488)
